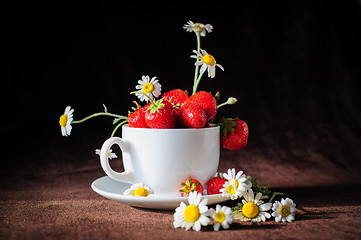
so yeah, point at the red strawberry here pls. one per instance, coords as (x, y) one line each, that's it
(235, 133)
(206, 101)
(161, 114)
(192, 115)
(190, 185)
(176, 96)
(215, 184)
(137, 119)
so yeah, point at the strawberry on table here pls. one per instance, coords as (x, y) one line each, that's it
(234, 133)
(192, 115)
(190, 185)
(206, 101)
(215, 184)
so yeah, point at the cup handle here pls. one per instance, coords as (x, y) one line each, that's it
(127, 175)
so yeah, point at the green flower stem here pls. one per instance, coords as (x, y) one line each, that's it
(118, 126)
(100, 114)
(198, 41)
(196, 81)
(274, 195)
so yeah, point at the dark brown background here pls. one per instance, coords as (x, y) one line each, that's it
(294, 66)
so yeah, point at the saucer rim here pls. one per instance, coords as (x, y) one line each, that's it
(143, 202)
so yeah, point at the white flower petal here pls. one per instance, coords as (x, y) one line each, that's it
(203, 209)
(204, 220)
(265, 206)
(276, 206)
(203, 68)
(225, 225)
(198, 63)
(204, 52)
(290, 218)
(197, 226)
(216, 226)
(250, 195)
(220, 66)
(239, 174)
(258, 197)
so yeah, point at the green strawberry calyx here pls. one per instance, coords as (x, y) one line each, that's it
(155, 105)
(227, 125)
(189, 186)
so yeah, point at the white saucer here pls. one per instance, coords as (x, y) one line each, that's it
(113, 190)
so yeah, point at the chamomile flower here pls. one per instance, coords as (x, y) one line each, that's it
(284, 211)
(139, 189)
(198, 28)
(150, 87)
(222, 217)
(207, 61)
(65, 121)
(230, 191)
(111, 155)
(253, 208)
(238, 178)
(237, 184)
(193, 215)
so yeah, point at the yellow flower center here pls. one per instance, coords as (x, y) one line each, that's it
(197, 27)
(220, 217)
(141, 192)
(231, 190)
(191, 213)
(209, 59)
(148, 88)
(284, 211)
(250, 210)
(63, 120)
(235, 182)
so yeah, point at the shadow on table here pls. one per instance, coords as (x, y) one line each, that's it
(247, 226)
(317, 196)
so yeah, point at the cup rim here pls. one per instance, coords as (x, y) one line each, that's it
(171, 129)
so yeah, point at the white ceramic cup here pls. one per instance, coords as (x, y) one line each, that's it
(163, 158)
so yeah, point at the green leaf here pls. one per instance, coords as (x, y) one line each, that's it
(237, 208)
(265, 190)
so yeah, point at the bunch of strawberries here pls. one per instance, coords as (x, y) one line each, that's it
(176, 110)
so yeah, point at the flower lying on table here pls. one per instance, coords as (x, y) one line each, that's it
(253, 209)
(222, 216)
(284, 210)
(193, 215)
